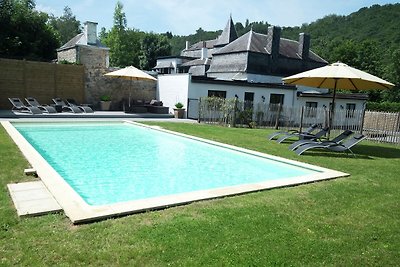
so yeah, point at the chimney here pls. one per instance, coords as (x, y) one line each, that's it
(204, 53)
(187, 45)
(90, 31)
(273, 40)
(304, 45)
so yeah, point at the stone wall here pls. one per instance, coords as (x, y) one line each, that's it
(67, 55)
(96, 63)
(93, 57)
(97, 85)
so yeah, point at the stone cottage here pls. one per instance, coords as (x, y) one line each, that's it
(86, 49)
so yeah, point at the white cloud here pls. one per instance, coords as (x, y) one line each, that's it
(47, 9)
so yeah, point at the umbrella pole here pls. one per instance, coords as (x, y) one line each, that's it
(130, 86)
(332, 113)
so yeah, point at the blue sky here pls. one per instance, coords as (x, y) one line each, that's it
(184, 17)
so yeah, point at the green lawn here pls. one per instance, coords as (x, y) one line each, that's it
(347, 221)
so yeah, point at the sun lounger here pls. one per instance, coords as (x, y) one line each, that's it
(307, 136)
(308, 130)
(338, 147)
(65, 107)
(32, 102)
(72, 103)
(337, 139)
(18, 105)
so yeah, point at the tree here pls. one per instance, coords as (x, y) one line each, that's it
(25, 32)
(103, 33)
(153, 46)
(239, 28)
(392, 73)
(120, 22)
(67, 25)
(361, 55)
(124, 43)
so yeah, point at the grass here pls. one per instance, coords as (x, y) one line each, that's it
(347, 221)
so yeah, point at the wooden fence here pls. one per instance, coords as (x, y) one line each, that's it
(44, 81)
(378, 126)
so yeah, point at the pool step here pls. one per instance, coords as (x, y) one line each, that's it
(30, 171)
(32, 199)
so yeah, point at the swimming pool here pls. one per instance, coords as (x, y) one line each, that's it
(122, 163)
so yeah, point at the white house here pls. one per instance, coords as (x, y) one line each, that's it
(249, 67)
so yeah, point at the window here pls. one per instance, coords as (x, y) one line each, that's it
(350, 108)
(248, 100)
(216, 93)
(311, 109)
(276, 99)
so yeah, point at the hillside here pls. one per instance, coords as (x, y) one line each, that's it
(377, 24)
(368, 39)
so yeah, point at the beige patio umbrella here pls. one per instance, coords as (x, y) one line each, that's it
(338, 76)
(131, 73)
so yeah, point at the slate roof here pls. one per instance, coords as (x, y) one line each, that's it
(228, 35)
(338, 95)
(199, 45)
(256, 42)
(80, 39)
(197, 62)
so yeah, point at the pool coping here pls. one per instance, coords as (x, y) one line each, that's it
(78, 211)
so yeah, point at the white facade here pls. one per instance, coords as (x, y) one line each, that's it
(174, 88)
(168, 65)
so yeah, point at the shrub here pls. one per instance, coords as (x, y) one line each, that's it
(384, 106)
(179, 105)
(105, 98)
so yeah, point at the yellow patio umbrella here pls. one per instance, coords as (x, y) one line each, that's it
(131, 73)
(338, 76)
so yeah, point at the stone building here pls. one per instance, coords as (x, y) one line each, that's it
(86, 49)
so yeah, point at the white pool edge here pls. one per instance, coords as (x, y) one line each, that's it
(78, 211)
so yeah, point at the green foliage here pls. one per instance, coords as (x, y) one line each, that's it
(179, 105)
(67, 25)
(120, 22)
(367, 39)
(124, 43)
(384, 106)
(25, 32)
(178, 42)
(246, 117)
(153, 46)
(105, 98)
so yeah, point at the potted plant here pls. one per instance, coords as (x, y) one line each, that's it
(105, 102)
(179, 111)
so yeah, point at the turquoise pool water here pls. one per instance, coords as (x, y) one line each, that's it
(118, 162)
